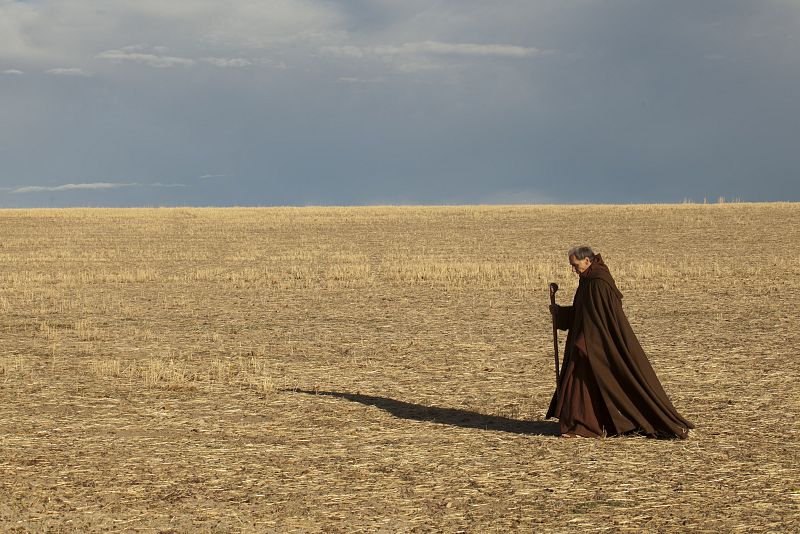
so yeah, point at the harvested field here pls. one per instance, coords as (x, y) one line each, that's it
(386, 369)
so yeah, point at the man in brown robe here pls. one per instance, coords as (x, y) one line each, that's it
(607, 386)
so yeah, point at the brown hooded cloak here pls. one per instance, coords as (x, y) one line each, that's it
(607, 385)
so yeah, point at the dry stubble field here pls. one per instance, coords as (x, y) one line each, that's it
(368, 369)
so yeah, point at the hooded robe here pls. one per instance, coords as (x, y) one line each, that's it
(607, 385)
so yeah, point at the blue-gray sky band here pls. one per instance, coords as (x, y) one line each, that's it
(208, 102)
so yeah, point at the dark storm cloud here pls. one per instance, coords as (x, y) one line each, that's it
(672, 99)
(388, 102)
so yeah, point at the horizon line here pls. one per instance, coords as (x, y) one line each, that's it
(403, 205)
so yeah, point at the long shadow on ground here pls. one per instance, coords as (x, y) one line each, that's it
(446, 416)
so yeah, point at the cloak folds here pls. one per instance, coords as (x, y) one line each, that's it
(607, 383)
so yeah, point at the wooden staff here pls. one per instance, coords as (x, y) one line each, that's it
(553, 289)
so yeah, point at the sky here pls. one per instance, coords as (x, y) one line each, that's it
(353, 102)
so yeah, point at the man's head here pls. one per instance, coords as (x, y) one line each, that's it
(580, 258)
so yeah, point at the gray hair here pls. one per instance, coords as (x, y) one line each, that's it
(581, 252)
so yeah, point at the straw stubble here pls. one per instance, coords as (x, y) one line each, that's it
(358, 369)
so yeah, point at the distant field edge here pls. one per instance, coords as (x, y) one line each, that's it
(685, 205)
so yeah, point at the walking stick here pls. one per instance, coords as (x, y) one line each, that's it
(553, 289)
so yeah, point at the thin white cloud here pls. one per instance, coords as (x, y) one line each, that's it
(156, 57)
(224, 62)
(436, 48)
(140, 47)
(151, 60)
(68, 72)
(13, 72)
(210, 176)
(74, 30)
(276, 64)
(464, 49)
(90, 186)
(70, 187)
(159, 184)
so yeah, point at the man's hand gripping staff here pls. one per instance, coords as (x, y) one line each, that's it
(553, 311)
